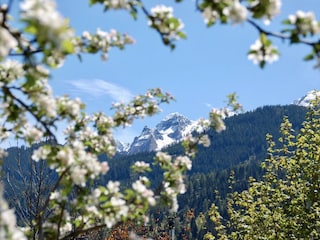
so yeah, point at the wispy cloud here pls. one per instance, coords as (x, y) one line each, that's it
(99, 88)
(208, 105)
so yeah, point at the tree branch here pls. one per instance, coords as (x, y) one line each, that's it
(278, 35)
(7, 91)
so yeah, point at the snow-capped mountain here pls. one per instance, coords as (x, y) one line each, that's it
(122, 147)
(305, 100)
(170, 130)
(174, 127)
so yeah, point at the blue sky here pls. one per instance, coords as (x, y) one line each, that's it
(200, 72)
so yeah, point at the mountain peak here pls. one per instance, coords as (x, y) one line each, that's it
(170, 130)
(305, 100)
(173, 115)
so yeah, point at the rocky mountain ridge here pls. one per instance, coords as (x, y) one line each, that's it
(170, 130)
(174, 127)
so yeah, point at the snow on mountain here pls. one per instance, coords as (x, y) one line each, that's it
(175, 126)
(170, 130)
(122, 147)
(305, 100)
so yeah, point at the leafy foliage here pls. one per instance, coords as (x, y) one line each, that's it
(285, 203)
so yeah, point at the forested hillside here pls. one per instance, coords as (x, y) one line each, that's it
(241, 148)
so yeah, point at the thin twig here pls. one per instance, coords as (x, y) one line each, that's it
(278, 35)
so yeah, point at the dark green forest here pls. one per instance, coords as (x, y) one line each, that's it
(239, 149)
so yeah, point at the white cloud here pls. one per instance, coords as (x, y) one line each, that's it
(99, 88)
(208, 105)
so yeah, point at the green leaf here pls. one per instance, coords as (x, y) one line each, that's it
(286, 22)
(263, 38)
(309, 57)
(182, 35)
(31, 29)
(68, 46)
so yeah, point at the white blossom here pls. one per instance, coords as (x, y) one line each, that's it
(162, 11)
(270, 8)
(141, 189)
(113, 186)
(11, 70)
(8, 226)
(52, 24)
(204, 140)
(40, 154)
(210, 15)
(141, 164)
(183, 161)
(102, 41)
(7, 42)
(216, 121)
(78, 175)
(33, 134)
(66, 228)
(160, 20)
(236, 12)
(46, 102)
(56, 195)
(66, 156)
(119, 209)
(274, 7)
(262, 53)
(163, 157)
(117, 4)
(3, 153)
(104, 167)
(68, 107)
(96, 193)
(305, 22)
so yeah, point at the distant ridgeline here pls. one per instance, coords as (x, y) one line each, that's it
(241, 147)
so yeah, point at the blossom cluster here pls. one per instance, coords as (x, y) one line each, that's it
(236, 11)
(163, 20)
(105, 205)
(72, 161)
(8, 227)
(141, 166)
(117, 4)
(263, 51)
(140, 106)
(305, 23)
(7, 39)
(101, 41)
(265, 9)
(216, 120)
(42, 18)
(7, 42)
(223, 10)
(10, 70)
(173, 177)
(142, 192)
